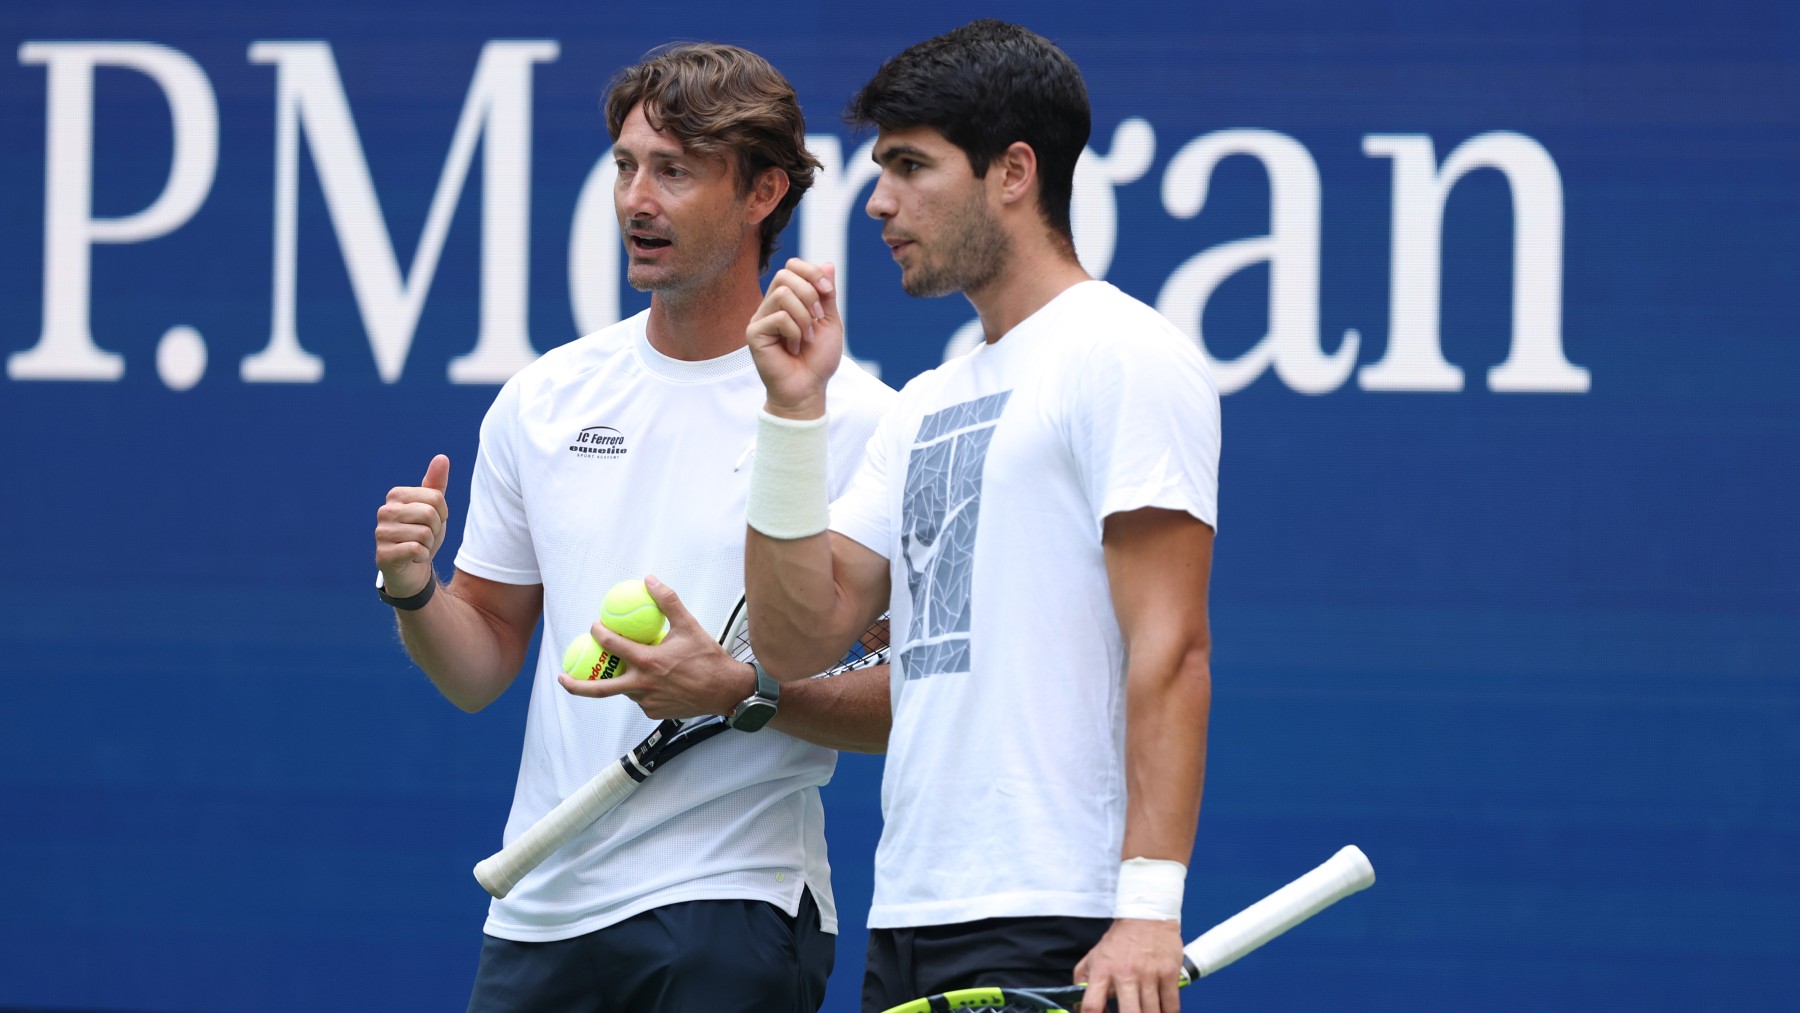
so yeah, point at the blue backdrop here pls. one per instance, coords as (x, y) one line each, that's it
(1507, 588)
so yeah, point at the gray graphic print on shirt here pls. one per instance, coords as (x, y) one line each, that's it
(938, 514)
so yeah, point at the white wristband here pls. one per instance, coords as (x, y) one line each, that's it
(1150, 888)
(789, 489)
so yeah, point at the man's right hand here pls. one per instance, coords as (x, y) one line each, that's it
(409, 527)
(797, 338)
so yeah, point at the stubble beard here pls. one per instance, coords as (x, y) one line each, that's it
(709, 256)
(975, 256)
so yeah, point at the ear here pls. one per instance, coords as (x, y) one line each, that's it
(1016, 173)
(766, 191)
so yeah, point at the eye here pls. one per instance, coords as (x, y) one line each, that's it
(675, 172)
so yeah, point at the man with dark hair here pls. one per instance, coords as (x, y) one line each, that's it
(1038, 514)
(709, 891)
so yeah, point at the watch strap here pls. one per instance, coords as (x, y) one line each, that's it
(767, 686)
(412, 603)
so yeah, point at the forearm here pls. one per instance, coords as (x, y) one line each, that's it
(848, 712)
(470, 654)
(1168, 700)
(797, 622)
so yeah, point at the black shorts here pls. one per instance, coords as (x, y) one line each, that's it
(704, 956)
(908, 963)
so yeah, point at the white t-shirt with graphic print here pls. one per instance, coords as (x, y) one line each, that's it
(606, 460)
(987, 487)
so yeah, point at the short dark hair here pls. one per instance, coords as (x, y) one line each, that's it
(984, 86)
(724, 101)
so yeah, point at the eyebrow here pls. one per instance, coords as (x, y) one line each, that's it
(667, 153)
(882, 157)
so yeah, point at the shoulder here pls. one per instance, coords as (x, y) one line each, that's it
(610, 348)
(1105, 331)
(1126, 322)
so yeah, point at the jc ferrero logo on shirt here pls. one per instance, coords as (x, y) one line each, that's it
(597, 442)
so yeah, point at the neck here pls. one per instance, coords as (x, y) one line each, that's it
(1040, 271)
(708, 322)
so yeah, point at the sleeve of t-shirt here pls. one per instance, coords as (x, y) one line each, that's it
(861, 512)
(1144, 427)
(496, 537)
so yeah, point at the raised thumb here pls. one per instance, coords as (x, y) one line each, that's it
(437, 474)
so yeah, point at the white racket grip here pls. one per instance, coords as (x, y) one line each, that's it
(1342, 875)
(501, 871)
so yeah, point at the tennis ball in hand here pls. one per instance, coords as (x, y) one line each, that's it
(584, 659)
(628, 611)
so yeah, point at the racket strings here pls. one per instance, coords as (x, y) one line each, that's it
(869, 650)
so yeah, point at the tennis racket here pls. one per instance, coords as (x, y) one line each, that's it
(1342, 875)
(501, 871)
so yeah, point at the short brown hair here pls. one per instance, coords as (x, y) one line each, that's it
(724, 101)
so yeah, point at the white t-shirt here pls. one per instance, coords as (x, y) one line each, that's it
(606, 460)
(987, 487)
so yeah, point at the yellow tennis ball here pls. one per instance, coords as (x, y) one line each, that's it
(584, 659)
(630, 612)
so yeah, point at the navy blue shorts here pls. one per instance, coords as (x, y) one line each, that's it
(908, 963)
(704, 956)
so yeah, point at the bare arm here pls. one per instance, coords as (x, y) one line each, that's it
(1159, 564)
(472, 636)
(814, 595)
(849, 712)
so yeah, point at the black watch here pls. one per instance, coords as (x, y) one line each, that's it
(760, 706)
(412, 604)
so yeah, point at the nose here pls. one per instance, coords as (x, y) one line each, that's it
(634, 196)
(881, 200)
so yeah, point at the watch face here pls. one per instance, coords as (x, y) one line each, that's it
(752, 714)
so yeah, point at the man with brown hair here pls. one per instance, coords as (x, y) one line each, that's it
(616, 456)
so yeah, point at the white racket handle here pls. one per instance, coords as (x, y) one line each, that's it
(1342, 875)
(501, 871)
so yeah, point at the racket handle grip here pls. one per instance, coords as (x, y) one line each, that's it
(1340, 876)
(501, 871)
